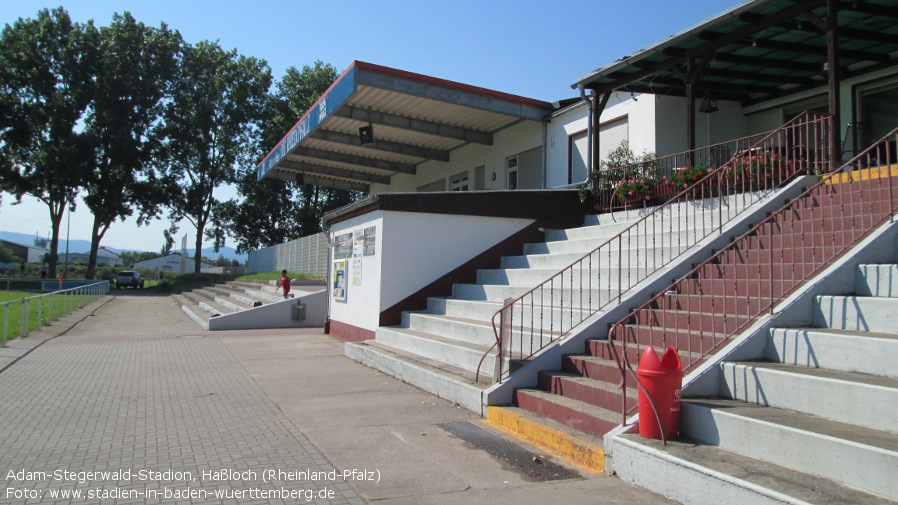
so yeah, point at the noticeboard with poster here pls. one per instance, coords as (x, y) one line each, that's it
(370, 240)
(343, 246)
(339, 281)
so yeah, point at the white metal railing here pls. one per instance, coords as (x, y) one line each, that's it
(47, 307)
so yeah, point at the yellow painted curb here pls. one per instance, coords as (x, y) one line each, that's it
(577, 452)
(865, 174)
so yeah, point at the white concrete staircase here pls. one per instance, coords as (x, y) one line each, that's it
(439, 349)
(204, 303)
(813, 421)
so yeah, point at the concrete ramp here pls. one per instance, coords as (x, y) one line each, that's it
(281, 314)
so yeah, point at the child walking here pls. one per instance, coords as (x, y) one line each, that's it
(284, 284)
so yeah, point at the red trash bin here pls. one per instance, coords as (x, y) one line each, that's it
(662, 380)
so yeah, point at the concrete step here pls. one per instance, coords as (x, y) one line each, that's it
(192, 309)
(575, 277)
(610, 229)
(847, 397)
(455, 352)
(633, 257)
(577, 414)
(604, 394)
(877, 280)
(848, 454)
(497, 293)
(846, 350)
(483, 310)
(469, 330)
(863, 313)
(637, 239)
(698, 474)
(265, 296)
(434, 376)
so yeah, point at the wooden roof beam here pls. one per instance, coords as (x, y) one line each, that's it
(712, 46)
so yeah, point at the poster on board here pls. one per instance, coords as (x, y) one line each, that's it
(356, 271)
(338, 291)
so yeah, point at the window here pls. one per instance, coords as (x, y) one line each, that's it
(459, 182)
(578, 152)
(437, 185)
(511, 173)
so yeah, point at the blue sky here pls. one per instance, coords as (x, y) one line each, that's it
(526, 47)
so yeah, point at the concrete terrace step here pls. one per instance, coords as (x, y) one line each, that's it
(850, 455)
(707, 475)
(632, 257)
(434, 376)
(604, 394)
(499, 293)
(851, 397)
(192, 310)
(636, 240)
(877, 280)
(846, 350)
(577, 276)
(483, 311)
(857, 313)
(576, 414)
(454, 352)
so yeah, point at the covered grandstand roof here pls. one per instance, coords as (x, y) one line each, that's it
(760, 50)
(415, 118)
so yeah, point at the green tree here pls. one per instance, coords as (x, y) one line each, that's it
(274, 211)
(46, 83)
(211, 119)
(135, 65)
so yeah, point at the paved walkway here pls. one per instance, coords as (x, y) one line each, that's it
(133, 403)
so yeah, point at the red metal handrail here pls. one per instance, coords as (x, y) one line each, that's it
(713, 156)
(549, 311)
(764, 266)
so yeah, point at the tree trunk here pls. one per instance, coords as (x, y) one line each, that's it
(55, 222)
(95, 237)
(198, 254)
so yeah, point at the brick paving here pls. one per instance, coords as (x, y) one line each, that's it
(140, 388)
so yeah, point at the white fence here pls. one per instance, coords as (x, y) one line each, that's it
(306, 255)
(38, 310)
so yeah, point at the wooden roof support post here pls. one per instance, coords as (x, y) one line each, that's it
(598, 108)
(835, 71)
(690, 77)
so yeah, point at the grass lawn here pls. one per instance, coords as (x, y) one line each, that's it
(11, 303)
(273, 276)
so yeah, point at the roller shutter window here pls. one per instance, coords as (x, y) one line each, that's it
(578, 145)
(612, 134)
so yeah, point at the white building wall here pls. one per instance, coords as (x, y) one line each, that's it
(506, 143)
(411, 251)
(640, 113)
(362, 305)
(728, 123)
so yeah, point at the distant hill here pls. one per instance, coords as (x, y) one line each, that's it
(83, 246)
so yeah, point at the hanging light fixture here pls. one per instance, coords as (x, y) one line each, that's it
(708, 105)
(366, 133)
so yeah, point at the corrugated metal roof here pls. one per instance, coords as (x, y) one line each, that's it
(415, 118)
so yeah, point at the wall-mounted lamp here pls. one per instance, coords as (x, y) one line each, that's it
(366, 135)
(708, 105)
